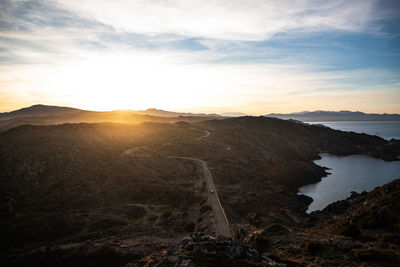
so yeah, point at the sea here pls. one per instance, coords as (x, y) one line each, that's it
(385, 129)
(356, 172)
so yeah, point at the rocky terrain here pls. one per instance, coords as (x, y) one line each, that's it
(106, 194)
(362, 230)
(95, 182)
(269, 159)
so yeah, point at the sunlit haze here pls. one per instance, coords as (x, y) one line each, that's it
(255, 57)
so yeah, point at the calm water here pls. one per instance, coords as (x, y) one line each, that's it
(349, 173)
(384, 129)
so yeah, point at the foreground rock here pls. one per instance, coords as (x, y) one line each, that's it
(204, 250)
(363, 230)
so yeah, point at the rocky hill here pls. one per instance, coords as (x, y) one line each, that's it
(39, 111)
(104, 193)
(72, 183)
(52, 115)
(362, 230)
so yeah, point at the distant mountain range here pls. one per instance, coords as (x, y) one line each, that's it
(38, 111)
(233, 114)
(46, 110)
(164, 113)
(320, 115)
(48, 115)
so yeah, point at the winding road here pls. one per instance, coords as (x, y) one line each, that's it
(206, 134)
(221, 222)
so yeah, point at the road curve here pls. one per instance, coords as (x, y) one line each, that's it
(221, 222)
(206, 134)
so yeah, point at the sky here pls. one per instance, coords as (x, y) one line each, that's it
(251, 56)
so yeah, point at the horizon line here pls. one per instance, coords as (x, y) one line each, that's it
(192, 112)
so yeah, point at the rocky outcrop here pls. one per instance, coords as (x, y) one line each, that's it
(361, 230)
(204, 250)
(370, 217)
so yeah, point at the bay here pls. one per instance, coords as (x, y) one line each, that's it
(349, 173)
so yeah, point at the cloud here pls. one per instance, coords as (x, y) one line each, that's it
(256, 56)
(229, 20)
(231, 30)
(177, 80)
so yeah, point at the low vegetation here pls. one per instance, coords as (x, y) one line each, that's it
(80, 185)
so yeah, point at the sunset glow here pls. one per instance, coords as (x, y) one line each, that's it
(255, 57)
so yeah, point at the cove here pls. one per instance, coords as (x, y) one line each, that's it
(348, 173)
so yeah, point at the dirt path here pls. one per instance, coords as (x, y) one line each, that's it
(206, 134)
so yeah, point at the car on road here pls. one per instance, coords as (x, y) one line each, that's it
(212, 191)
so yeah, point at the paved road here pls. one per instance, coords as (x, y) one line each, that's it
(221, 222)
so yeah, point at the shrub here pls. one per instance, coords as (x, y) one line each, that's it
(204, 208)
(166, 214)
(374, 255)
(313, 247)
(189, 227)
(349, 230)
(276, 229)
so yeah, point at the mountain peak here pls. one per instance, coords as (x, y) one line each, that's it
(38, 110)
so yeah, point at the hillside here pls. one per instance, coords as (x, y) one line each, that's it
(323, 116)
(117, 192)
(38, 111)
(370, 239)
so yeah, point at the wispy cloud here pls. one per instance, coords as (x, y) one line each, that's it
(231, 20)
